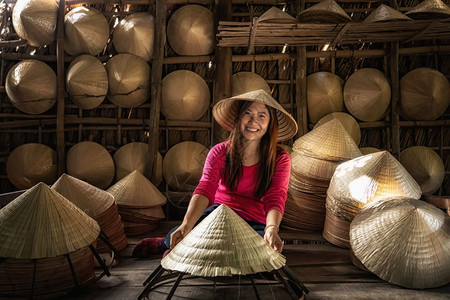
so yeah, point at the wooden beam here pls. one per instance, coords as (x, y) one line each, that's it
(300, 91)
(395, 101)
(60, 143)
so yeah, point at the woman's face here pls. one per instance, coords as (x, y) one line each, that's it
(254, 121)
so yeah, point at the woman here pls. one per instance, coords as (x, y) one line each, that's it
(248, 172)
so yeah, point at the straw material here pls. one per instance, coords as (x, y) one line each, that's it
(30, 93)
(225, 112)
(42, 223)
(367, 94)
(135, 34)
(424, 94)
(185, 96)
(326, 11)
(223, 245)
(425, 166)
(349, 123)
(244, 82)
(183, 165)
(190, 30)
(135, 190)
(403, 241)
(87, 81)
(277, 16)
(384, 13)
(86, 31)
(129, 80)
(30, 164)
(142, 215)
(368, 150)
(309, 166)
(90, 162)
(429, 9)
(336, 230)
(324, 95)
(35, 21)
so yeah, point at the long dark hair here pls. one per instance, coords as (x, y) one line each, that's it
(267, 151)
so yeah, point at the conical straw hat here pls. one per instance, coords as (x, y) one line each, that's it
(183, 165)
(367, 94)
(129, 80)
(244, 82)
(90, 199)
(424, 94)
(368, 150)
(190, 30)
(87, 81)
(425, 166)
(135, 190)
(184, 96)
(225, 112)
(349, 123)
(30, 93)
(403, 241)
(385, 13)
(330, 142)
(429, 9)
(316, 168)
(135, 34)
(324, 95)
(151, 213)
(30, 164)
(86, 31)
(90, 162)
(42, 223)
(223, 245)
(277, 16)
(35, 21)
(326, 11)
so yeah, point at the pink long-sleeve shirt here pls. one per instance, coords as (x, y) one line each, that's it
(242, 200)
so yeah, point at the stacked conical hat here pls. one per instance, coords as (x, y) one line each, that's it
(244, 82)
(429, 9)
(99, 205)
(129, 80)
(403, 241)
(349, 123)
(223, 244)
(385, 13)
(87, 81)
(326, 11)
(276, 15)
(35, 21)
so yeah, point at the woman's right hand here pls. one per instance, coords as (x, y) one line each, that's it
(178, 235)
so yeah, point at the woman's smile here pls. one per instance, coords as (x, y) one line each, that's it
(254, 121)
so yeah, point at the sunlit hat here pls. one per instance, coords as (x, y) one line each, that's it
(349, 123)
(429, 9)
(225, 112)
(276, 15)
(243, 82)
(385, 13)
(326, 11)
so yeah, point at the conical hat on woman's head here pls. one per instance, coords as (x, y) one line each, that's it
(244, 82)
(349, 123)
(429, 9)
(384, 13)
(326, 11)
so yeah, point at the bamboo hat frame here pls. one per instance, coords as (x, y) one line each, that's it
(349, 123)
(385, 13)
(243, 82)
(429, 9)
(326, 11)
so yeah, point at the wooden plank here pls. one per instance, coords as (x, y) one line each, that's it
(395, 101)
(60, 144)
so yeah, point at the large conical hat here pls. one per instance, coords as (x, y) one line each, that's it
(276, 15)
(129, 80)
(184, 96)
(330, 142)
(142, 214)
(35, 21)
(309, 166)
(190, 30)
(223, 244)
(349, 123)
(135, 34)
(424, 94)
(85, 196)
(30, 164)
(135, 190)
(429, 9)
(42, 223)
(385, 13)
(30, 93)
(403, 241)
(326, 11)
(425, 166)
(244, 82)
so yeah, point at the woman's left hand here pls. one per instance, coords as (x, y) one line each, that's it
(271, 236)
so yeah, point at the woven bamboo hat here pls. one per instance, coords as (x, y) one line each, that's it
(129, 80)
(367, 94)
(151, 213)
(403, 241)
(185, 96)
(87, 81)
(35, 21)
(324, 95)
(368, 150)
(277, 16)
(326, 11)
(244, 82)
(429, 9)
(424, 94)
(183, 165)
(86, 31)
(425, 166)
(223, 245)
(312, 167)
(135, 34)
(225, 112)
(135, 190)
(42, 223)
(385, 13)
(30, 164)
(91, 162)
(190, 30)
(349, 123)
(30, 93)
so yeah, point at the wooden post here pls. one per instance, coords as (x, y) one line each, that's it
(60, 151)
(300, 92)
(395, 98)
